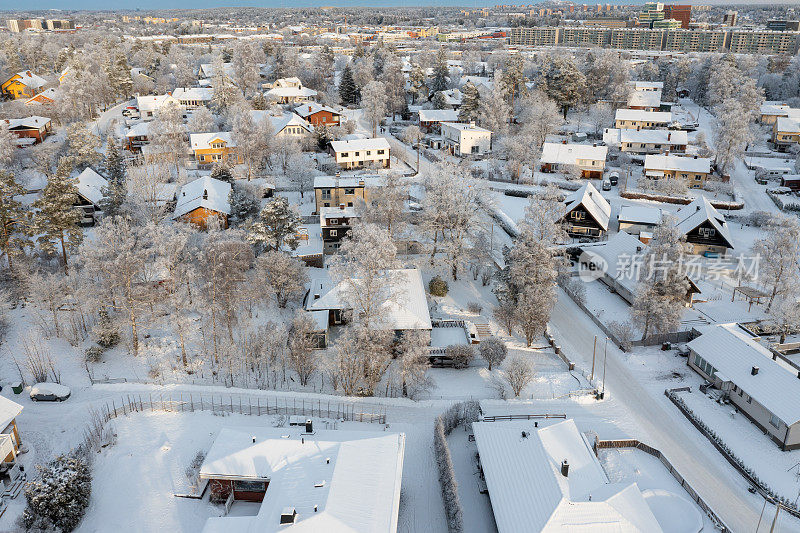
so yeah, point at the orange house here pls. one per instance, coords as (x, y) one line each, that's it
(23, 84)
(318, 114)
(9, 437)
(46, 97)
(210, 148)
(30, 130)
(204, 202)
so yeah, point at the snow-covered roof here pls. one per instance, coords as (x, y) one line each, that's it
(140, 129)
(32, 122)
(662, 117)
(568, 154)
(205, 192)
(152, 103)
(617, 254)
(529, 493)
(591, 199)
(291, 92)
(352, 477)
(787, 125)
(336, 212)
(462, 126)
(452, 97)
(406, 306)
(280, 122)
(50, 94)
(696, 213)
(647, 98)
(779, 110)
(670, 137)
(326, 182)
(194, 93)
(640, 214)
(202, 141)
(438, 115)
(647, 85)
(677, 163)
(90, 185)
(734, 353)
(306, 110)
(29, 79)
(377, 143)
(9, 410)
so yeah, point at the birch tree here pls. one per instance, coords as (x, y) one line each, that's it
(284, 275)
(374, 102)
(778, 254)
(13, 217)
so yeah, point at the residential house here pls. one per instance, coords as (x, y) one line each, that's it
(306, 478)
(44, 98)
(642, 142)
(644, 86)
(453, 98)
(335, 223)
(333, 191)
(23, 84)
(137, 136)
(619, 260)
(309, 248)
(546, 478)
(589, 159)
(290, 125)
(404, 309)
(29, 130)
(9, 436)
(707, 232)
(647, 100)
(766, 391)
(290, 91)
(640, 119)
(193, 97)
(431, 119)
(91, 187)
(318, 114)
(207, 71)
(639, 220)
(359, 153)
(586, 212)
(694, 171)
(204, 202)
(772, 111)
(466, 139)
(211, 148)
(149, 105)
(786, 132)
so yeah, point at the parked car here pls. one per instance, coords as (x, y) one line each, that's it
(49, 392)
(613, 177)
(606, 185)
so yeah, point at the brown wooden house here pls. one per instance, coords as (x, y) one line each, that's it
(30, 130)
(587, 213)
(318, 114)
(204, 202)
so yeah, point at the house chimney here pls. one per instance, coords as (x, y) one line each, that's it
(565, 468)
(564, 141)
(536, 424)
(302, 440)
(205, 194)
(524, 434)
(309, 109)
(341, 207)
(669, 136)
(754, 371)
(309, 426)
(254, 439)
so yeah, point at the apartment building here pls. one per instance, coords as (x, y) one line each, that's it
(764, 41)
(585, 36)
(636, 38)
(695, 40)
(539, 36)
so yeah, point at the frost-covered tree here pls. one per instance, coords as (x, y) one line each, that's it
(201, 121)
(13, 217)
(563, 82)
(276, 226)
(83, 145)
(115, 193)
(252, 140)
(412, 364)
(470, 103)
(493, 351)
(441, 73)
(606, 79)
(167, 133)
(416, 80)
(301, 347)
(395, 83)
(8, 145)
(55, 219)
(513, 79)
(301, 172)
(284, 275)
(247, 59)
(413, 135)
(244, 204)
(663, 285)
(374, 102)
(778, 254)
(518, 372)
(386, 207)
(57, 499)
(494, 112)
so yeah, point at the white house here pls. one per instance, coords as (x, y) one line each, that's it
(306, 479)
(193, 97)
(547, 479)
(591, 160)
(763, 389)
(646, 141)
(693, 171)
(641, 119)
(150, 105)
(290, 90)
(357, 153)
(466, 139)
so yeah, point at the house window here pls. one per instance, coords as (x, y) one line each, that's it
(577, 215)
(357, 154)
(333, 221)
(216, 157)
(775, 421)
(707, 232)
(334, 233)
(380, 152)
(349, 204)
(344, 154)
(326, 194)
(249, 486)
(369, 152)
(349, 191)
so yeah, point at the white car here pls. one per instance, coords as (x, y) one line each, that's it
(49, 392)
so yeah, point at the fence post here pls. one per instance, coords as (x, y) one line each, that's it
(258, 403)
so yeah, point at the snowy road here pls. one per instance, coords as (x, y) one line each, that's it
(715, 480)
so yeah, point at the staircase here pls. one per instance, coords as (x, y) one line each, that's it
(484, 330)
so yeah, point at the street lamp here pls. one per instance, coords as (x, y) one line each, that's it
(605, 354)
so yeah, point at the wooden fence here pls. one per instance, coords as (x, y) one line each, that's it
(500, 418)
(246, 405)
(633, 443)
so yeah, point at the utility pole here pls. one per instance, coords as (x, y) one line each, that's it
(594, 351)
(775, 520)
(605, 354)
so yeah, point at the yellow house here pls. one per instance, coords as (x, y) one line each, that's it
(785, 132)
(210, 148)
(694, 171)
(9, 435)
(23, 84)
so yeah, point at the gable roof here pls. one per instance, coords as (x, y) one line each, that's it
(152, 103)
(194, 93)
(9, 410)
(377, 143)
(639, 214)
(352, 477)
(90, 185)
(405, 308)
(670, 137)
(568, 154)
(663, 117)
(48, 94)
(529, 493)
(33, 122)
(311, 108)
(591, 200)
(690, 217)
(207, 192)
(734, 352)
(438, 115)
(701, 165)
(29, 79)
(202, 141)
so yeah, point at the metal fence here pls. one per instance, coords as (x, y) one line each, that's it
(633, 443)
(246, 405)
(500, 418)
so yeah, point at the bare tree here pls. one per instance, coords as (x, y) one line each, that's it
(493, 351)
(518, 373)
(778, 252)
(301, 347)
(284, 275)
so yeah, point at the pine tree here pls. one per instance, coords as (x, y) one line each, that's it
(277, 224)
(347, 87)
(116, 191)
(119, 74)
(440, 73)
(470, 102)
(55, 219)
(12, 216)
(223, 173)
(417, 80)
(439, 101)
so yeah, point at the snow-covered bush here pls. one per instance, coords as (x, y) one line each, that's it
(93, 354)
(107, 333)
(447, 479)
(58, 499)
(623, 331)
(669, 186)
(437, 286)
(461, 354)
(475, 308)
(493, 351)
